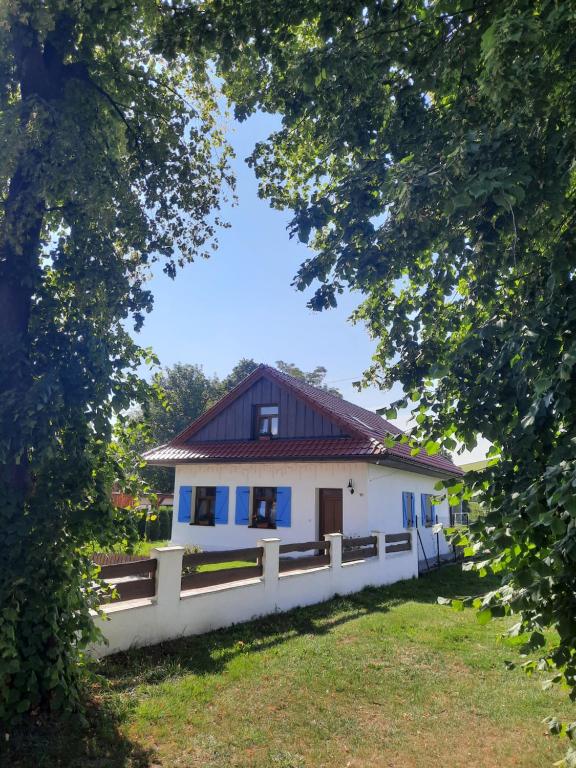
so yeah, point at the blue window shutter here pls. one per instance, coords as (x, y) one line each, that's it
(185, 504)
(283, 507)
(242, 505)
(221, 513)
(404, 510)
(414, 515)
(424, 517)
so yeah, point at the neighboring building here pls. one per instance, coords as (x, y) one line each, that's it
(469, 511)
(164, 499)
(474, 466)
(126, 501)
(276, 453)
(123, 500)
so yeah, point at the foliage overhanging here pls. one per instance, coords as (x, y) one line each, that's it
(110, 160)
(427, 151)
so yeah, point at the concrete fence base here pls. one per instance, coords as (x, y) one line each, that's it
(173, 613)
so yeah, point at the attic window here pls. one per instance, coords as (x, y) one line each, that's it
(267, 421)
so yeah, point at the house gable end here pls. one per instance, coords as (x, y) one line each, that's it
(314, 425)
(297, 418)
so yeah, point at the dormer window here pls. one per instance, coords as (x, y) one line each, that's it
(266, 421)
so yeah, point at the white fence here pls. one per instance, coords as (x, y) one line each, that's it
(174, 613)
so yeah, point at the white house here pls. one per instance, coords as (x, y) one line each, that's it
(276, 453)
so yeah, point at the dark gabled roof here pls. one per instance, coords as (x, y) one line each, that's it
(347, 415)
(365, 441)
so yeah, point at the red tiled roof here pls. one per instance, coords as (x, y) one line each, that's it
(247, 450)
(367, 432)
(305, 449)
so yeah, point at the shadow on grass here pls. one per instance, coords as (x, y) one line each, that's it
(102, 745)
(71, 743)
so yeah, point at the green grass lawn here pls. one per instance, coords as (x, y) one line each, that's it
(144, 547)
(385, 678)
(222, 566)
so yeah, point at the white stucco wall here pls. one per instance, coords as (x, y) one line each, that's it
(172, 613)
(385, 488)
(305, 478)
(376, 503)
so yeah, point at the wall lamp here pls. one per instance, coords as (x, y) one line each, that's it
(350, 486)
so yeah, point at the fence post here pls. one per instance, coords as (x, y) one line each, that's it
(380, 544)
(335, 540)
(381, 564)
(414, 553)
(168, 575)
(270, 562)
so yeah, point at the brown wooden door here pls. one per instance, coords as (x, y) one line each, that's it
(330, 511)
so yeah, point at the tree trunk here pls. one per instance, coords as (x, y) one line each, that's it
(19, 250)
(40, 76)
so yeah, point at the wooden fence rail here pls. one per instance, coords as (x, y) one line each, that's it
(113, 558)
(322, 556)
(305, 546)
(192, 579)
(131, 580)
(222, 556)
(359, 548)
(398, 542)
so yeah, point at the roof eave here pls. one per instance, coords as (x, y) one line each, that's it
(379, 460)
(257, 460)
(409, 465)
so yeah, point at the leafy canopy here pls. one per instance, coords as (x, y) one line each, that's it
(110, 160)
(427, 152)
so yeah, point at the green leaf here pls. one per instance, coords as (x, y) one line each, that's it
(484, 616)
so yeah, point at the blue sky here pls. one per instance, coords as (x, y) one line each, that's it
(240, 302)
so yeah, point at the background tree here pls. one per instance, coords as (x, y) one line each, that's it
(243, 368)
(315, 377)
(427, 150)
(186, 392)
(110, 160)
